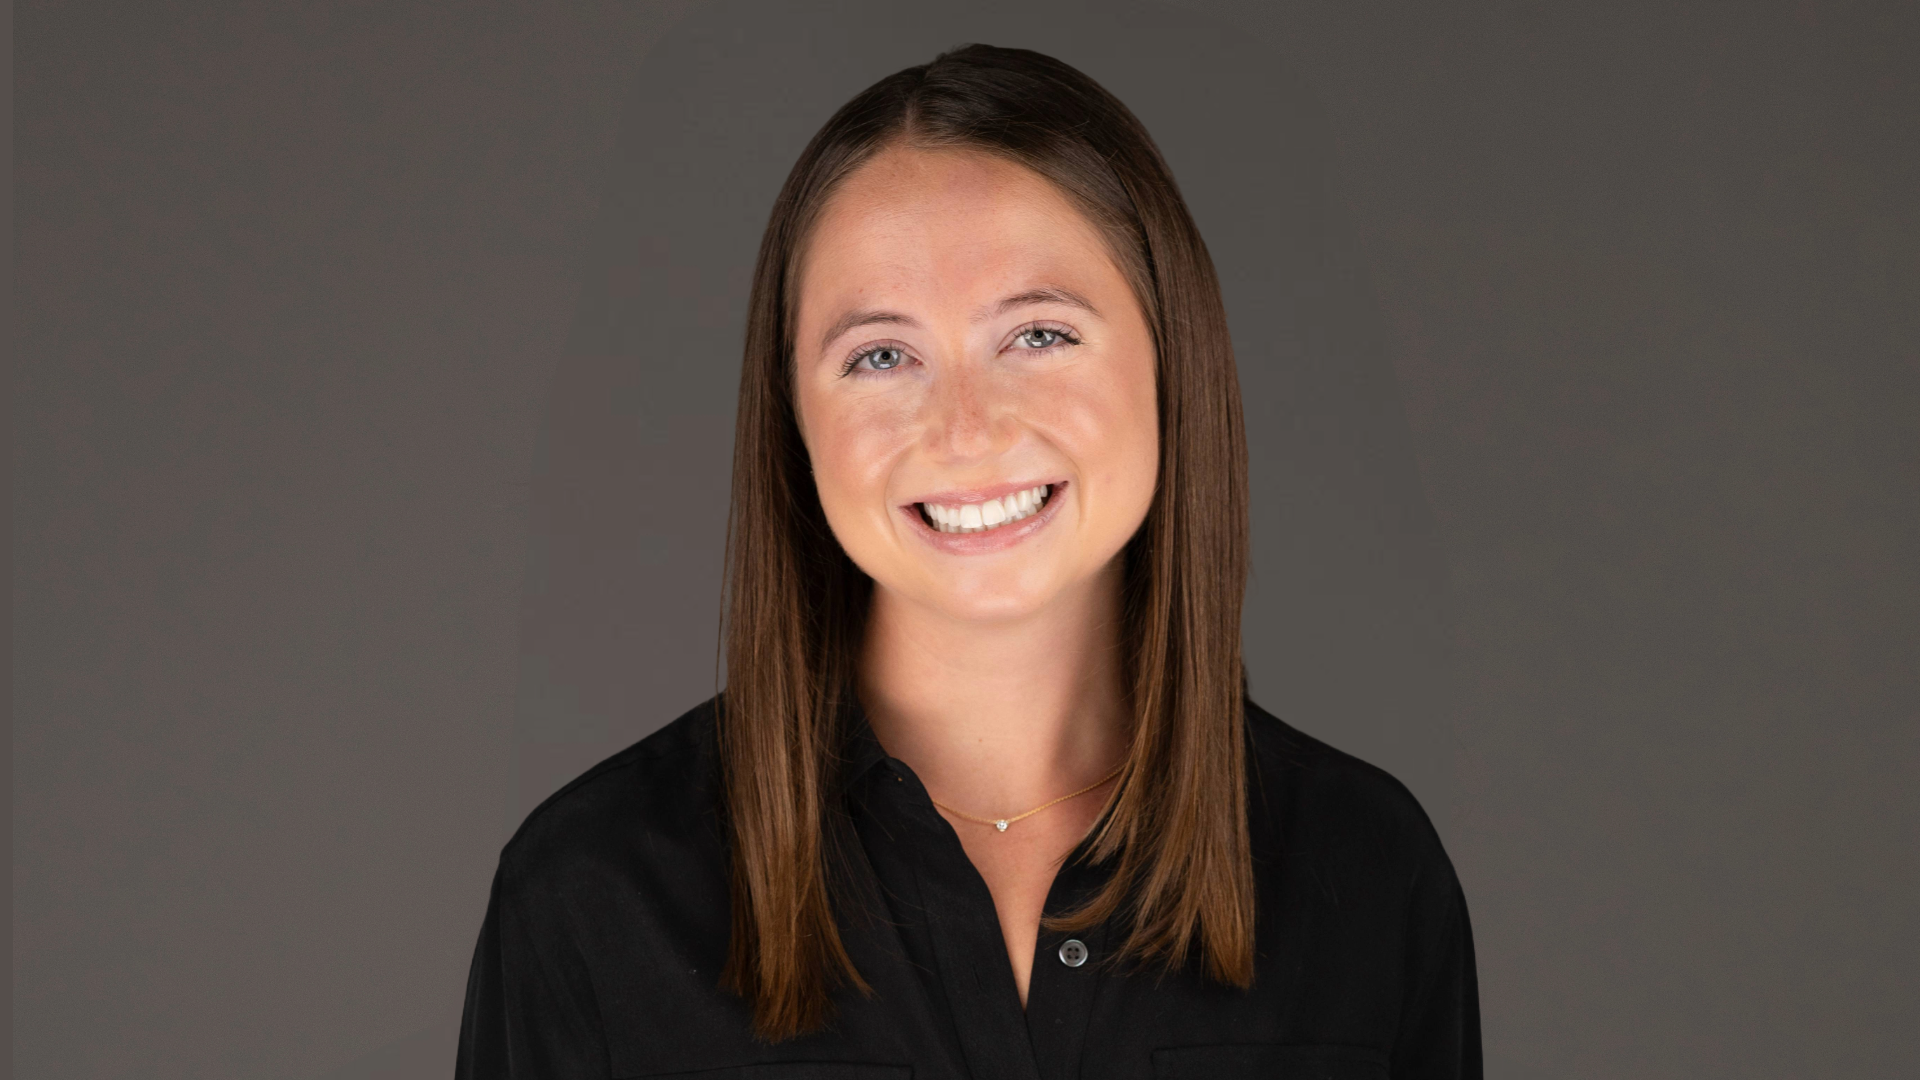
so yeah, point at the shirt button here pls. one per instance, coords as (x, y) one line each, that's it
(1073, 952)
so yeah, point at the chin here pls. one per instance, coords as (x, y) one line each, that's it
(990, 597)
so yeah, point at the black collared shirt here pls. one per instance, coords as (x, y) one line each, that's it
(608, 924)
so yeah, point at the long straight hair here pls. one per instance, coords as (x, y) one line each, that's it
(1175, 827)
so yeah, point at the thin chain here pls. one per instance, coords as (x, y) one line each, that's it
(1002, 823)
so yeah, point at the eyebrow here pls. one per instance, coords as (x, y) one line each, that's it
(863, 317)
(1045, 294)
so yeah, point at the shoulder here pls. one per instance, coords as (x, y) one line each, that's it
(1307, 798)
(662, 790)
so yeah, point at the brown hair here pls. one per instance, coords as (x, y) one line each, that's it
(1175, 826)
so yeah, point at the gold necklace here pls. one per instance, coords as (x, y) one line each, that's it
(1002, 823)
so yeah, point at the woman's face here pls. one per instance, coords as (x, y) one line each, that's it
(975, 384)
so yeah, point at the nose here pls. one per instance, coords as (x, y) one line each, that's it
(967, 419)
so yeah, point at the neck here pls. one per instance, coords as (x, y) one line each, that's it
(999, 716)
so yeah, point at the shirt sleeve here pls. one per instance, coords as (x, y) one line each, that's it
(530, 1009)
(1439, 1035)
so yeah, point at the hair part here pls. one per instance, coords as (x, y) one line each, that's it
(1175, 827)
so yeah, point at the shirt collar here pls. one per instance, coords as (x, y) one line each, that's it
(860, 751)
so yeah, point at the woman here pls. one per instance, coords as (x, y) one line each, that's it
(984, 796)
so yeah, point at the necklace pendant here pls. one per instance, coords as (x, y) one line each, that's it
(1001, 825)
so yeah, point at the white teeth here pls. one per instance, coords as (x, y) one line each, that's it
(981, 516)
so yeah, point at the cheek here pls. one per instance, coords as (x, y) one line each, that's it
(854, 444)
(1106, 418)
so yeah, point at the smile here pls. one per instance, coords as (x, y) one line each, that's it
(978, 517)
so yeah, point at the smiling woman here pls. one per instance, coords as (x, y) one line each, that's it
(999, 374)
(986, 559)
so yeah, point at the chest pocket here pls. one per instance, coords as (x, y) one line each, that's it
(794, 1070)
(1269, 1061)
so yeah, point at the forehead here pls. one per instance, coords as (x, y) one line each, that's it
(953, 222)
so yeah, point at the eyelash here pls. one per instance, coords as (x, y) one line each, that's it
(1066, 336)
(865, 351)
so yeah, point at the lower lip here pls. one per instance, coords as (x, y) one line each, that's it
(981, 543)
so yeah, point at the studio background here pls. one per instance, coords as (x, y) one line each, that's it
(374, 412)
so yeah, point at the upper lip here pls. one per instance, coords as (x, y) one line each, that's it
(962, 496)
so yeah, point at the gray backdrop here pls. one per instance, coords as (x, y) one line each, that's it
(375, 408)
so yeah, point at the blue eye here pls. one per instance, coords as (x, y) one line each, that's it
(883, 358)
(1041, 338)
